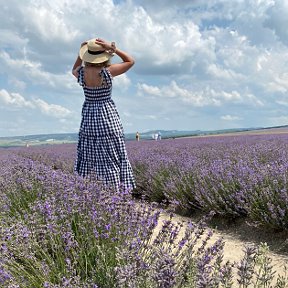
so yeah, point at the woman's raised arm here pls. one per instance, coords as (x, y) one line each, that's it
(77, 64)
(117, 68)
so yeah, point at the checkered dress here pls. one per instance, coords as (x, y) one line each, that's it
(101, 148)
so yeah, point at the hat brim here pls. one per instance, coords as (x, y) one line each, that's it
(90, 58)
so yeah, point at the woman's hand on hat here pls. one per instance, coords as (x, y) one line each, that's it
(109, 47)
(103, 43)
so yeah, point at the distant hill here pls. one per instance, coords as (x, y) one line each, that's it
(148, 135)
(73, 137)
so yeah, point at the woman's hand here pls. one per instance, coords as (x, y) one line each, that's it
(104, 44)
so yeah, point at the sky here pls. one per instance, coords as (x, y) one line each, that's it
(199, 65)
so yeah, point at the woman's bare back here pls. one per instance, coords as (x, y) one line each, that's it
(92, 77)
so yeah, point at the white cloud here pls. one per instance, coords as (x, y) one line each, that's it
(49, 25)
(277, 19)
(232, 96)
(222, 73)
(199, 98)
(282, 102)
(52, 109)
(280, 83)
(7, 35)
(150, 117)
(19, 64)
(16, 100)
(174, 91)
(46, 20)
(150, 90)
(35, 73)
(230, 117)
(122, 82)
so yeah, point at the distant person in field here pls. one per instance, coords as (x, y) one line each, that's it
(137, 136)
(159, 136)
(101, 148)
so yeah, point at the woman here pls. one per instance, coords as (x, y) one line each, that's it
(101, 148)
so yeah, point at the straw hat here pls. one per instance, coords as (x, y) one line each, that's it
(93, 53)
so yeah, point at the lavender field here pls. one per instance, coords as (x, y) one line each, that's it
(60, 230)
(240, 176)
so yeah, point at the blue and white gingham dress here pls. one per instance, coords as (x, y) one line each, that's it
(101, 148)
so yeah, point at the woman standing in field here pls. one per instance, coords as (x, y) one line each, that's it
(101, 148)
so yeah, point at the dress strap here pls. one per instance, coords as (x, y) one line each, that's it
(107, 77)
(81, 77)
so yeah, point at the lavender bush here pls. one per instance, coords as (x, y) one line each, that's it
(241, 176)
(60, 230)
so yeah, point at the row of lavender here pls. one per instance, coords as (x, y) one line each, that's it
(240, 176)
(233, 176)
(60, 230)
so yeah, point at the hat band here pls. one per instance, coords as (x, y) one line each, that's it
(95, 52)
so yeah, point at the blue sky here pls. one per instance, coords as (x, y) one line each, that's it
(204, 65)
